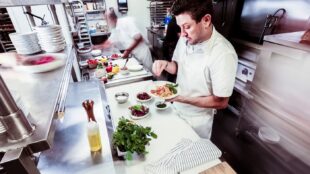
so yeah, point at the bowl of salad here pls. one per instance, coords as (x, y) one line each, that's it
(139, 111)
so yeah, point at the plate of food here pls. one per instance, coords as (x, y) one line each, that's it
(143, 97)
(115, 56)
(164, 89)
(41, 63)
(139, 111)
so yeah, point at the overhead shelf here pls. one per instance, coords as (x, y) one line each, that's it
(95, 11)
(100, 34)
(9, 3)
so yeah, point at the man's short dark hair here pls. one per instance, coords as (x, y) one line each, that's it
(196, 8)
(111, 14)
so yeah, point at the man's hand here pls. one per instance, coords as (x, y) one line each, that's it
(159, 66)
(176, 99)
(126, 54)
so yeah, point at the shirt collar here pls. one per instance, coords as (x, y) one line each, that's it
(204, 46)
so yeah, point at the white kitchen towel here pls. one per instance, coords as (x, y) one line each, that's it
(185, 155)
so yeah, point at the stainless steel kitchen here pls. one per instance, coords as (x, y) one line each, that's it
(154, 86)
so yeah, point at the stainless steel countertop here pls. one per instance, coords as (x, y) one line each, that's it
(40, 94)
(288, 39)
(70, 152)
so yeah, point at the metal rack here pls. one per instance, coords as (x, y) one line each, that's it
(79, 20)
(96, 17)
(158, 10)
(6, 27)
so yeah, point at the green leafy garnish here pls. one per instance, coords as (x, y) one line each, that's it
(130, 137)
(137, 107)
(172, 87)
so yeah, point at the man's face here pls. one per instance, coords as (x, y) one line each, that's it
(192, 31)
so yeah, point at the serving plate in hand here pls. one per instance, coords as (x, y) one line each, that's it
(161, 83)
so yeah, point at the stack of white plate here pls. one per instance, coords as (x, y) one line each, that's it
(25, 43)
(2, 129)
(51, 38)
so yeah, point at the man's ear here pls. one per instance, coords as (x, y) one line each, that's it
(206, 20)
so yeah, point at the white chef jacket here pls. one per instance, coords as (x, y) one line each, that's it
(207, 68)
(122, 36)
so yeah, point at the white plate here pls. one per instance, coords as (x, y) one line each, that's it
(58, 62)
(135, 67)
(96, 53)
(161, 83)
(138, 118)
(142, 101)
(268, 135)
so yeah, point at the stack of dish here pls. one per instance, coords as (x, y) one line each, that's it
(2, 129)
(25, 43)
(51, 38)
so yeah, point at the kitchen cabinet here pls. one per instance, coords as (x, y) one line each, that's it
(280, 95)
(225, 12)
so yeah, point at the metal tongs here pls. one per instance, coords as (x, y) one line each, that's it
(43, 22)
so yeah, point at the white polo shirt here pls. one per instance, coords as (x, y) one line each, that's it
(207, 68)
(123, 36)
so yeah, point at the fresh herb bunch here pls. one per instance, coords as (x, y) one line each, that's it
(172, 87)
(130, 137)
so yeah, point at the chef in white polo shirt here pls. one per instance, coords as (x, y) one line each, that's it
(125, 35)
(205, 64)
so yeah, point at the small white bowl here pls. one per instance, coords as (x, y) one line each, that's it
(121, 97)
(96, 53)
(142, 101)
(162, 108)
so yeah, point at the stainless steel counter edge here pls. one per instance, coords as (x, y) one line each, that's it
(288, 39)
(71, 152)
(41, 101)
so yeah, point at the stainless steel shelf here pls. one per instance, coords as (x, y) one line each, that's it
(43, 106)
(95, 11)
(9, 3)
(100, 34)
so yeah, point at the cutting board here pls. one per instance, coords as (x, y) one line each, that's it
(222, 168)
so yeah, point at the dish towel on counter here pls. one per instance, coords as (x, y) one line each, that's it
(185, 155)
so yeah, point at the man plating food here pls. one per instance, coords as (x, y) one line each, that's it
(126, 36)
(205, 64)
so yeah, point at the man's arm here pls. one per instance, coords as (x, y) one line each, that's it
(137, 39)
(211, 101)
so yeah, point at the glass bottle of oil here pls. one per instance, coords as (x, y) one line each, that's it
(93, 136)
(92, 126)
